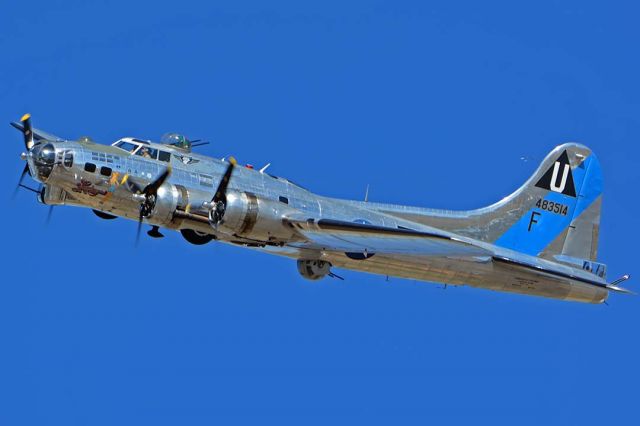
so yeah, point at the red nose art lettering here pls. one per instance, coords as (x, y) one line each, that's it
(86, 187)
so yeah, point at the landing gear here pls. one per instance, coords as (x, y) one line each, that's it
(103, 215)
(195, 237)
(154, 232)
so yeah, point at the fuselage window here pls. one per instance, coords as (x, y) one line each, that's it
(68, 159)
(206, 180)
(89, 167)
(127, 146)
(105, 171)
(148, 152)
(164, 156)
(283, 199)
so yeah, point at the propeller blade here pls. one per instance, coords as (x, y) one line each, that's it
(153, 187)
(49, 215)
(22, 175)
(140, 218)
(134, 187)
(220, 194)
(27, 131)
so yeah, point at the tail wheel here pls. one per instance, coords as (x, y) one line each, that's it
(195, 237)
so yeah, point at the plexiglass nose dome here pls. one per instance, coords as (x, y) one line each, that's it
(177, 140)
(44, 158)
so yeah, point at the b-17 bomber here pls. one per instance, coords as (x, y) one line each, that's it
(541, 240)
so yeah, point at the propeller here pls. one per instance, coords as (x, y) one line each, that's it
(219, 200)
(148, 196)
(27, 132)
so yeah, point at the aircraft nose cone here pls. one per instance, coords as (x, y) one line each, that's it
(44, 158)
(44, 154)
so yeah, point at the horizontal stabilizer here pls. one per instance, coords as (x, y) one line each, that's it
(615, 287)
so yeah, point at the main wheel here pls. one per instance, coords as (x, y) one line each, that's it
(195, 237)
(103, 215)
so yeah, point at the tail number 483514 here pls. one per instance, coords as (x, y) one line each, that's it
(553, 207)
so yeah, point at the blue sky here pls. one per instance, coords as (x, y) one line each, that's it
(445, 104)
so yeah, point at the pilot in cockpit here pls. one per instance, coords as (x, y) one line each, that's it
(144, 152)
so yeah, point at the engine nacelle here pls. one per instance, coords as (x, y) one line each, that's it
(313, 269)
(254, 218)
(165, 204)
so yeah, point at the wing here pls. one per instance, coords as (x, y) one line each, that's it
(365, 239)
(435, 256)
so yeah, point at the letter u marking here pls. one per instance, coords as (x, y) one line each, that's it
(554, 177)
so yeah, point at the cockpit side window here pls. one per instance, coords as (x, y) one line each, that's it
(127, 146)
(164, 156)
(148, 152)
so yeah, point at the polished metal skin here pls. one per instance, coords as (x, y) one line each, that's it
(541, 240)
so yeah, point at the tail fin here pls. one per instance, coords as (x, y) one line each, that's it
(554, 215)
(557, 209)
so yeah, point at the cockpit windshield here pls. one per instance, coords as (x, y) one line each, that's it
(127, 146)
